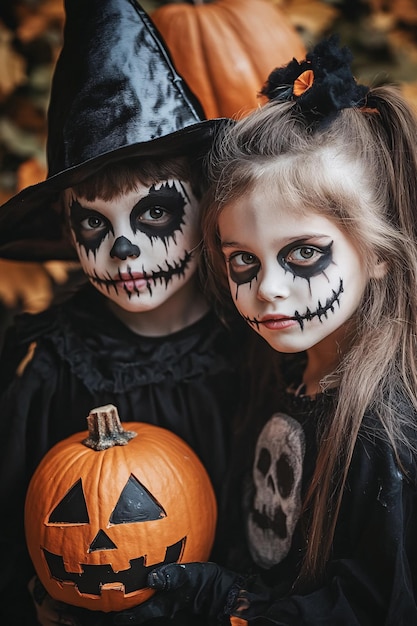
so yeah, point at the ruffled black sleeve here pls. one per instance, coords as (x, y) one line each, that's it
(26, 396)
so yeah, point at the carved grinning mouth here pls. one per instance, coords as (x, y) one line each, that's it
(320, 312)
(177, 268)
(93, 577)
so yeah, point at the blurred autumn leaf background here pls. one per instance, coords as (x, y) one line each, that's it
(381, 33)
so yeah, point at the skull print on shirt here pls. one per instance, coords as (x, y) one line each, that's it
(277, 477)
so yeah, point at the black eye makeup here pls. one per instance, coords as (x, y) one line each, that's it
(90, 227)
(304, 259)
(243, 267)
(160, 214)
(301, 258)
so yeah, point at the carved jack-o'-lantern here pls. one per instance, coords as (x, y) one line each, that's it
(105, 507)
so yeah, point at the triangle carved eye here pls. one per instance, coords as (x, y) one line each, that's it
(72, 509)
(136, 504)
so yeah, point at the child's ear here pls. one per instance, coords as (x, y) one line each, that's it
(379, 269)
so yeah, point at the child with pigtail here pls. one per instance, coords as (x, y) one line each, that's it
(311, 233)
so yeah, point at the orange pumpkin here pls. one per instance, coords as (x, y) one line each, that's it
(106, 506)
(226, 49)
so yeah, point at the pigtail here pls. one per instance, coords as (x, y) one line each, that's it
(395, 126)
(381, 364)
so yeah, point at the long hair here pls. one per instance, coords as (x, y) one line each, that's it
(379, 213)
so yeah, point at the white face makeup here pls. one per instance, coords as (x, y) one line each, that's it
(137, 249)
(295, 278)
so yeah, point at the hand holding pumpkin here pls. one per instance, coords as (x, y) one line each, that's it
(50, 612)
(200, 588)
(124, 500)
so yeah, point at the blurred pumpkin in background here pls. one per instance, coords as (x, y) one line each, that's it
(225, 49)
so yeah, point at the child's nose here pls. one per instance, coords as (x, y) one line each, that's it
(273, 285)
(123, 248)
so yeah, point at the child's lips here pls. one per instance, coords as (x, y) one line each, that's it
(126, 276)
(133, 281)
(277, 322)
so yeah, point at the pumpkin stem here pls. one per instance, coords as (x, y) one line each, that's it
(105, 429)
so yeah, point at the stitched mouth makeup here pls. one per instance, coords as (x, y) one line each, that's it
(281, 322)
(133, 283)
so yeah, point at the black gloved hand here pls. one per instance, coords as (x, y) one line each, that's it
(200, 588)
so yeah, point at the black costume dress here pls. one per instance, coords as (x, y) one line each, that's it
(371, 578)
(83, 358)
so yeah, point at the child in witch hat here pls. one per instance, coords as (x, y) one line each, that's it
(125, 142)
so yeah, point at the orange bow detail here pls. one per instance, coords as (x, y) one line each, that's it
(303, 82)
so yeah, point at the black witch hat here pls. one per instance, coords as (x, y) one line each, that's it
(115, 95)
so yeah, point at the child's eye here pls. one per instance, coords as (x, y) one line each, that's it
(93, 222)
(160, 213)
(304, 255)
(243, 267)
(155, 214)
(243, 259)
(304, 259)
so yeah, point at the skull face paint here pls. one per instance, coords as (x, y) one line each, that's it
(277, 475)
(294, 276)
(138, 248)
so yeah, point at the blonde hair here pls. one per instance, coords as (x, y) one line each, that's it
(380, 214)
